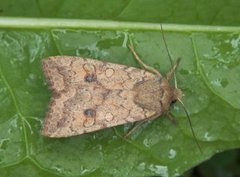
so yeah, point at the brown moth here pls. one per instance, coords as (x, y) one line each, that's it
(90, 95)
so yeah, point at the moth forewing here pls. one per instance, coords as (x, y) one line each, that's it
(89, 95)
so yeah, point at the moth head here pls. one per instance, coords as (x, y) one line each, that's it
(177, 95)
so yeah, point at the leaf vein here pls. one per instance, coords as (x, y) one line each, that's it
(17, 110)
(200, 70)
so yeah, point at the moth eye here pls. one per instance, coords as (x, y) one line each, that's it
(90, 113)
(90, 77)
(174, 101)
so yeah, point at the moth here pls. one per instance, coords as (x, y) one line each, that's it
(90, 95)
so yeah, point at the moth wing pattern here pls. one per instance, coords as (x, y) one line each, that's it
(89, 95)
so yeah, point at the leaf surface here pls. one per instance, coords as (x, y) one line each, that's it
(208, 75)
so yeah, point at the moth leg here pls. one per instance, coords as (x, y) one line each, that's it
(149, 68)
(170, 74)
(135, 127)
(171, 118)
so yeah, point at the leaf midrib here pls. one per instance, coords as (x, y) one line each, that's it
(45, 23)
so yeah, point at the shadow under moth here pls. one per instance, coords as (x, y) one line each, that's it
(90, 95)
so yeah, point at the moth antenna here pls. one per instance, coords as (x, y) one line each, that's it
(171, 73)
(190, 123)
(169, 55)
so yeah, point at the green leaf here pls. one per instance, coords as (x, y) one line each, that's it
(206, 12)
(208, 75)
